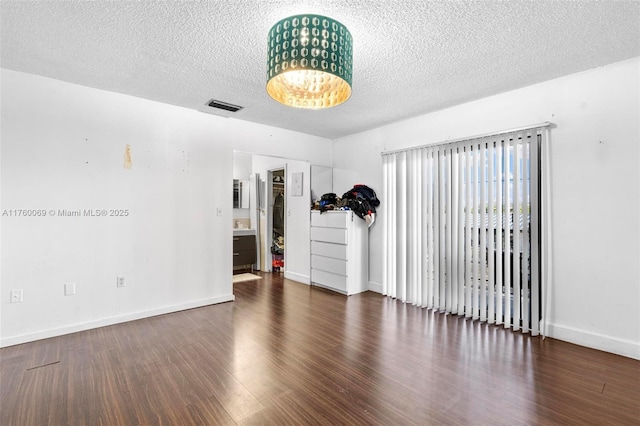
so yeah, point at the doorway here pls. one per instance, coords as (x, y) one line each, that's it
(295, 244)
(277, 219)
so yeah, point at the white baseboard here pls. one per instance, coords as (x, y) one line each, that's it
(589, 339)
(118, 319)
(304, 279)
(375, 287)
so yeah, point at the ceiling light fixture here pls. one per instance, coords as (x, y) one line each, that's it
(309, 62)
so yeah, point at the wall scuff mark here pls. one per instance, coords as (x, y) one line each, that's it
(127, 157)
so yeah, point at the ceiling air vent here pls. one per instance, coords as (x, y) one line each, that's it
(224, 105)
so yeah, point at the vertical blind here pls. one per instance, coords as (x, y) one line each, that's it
(462, 227)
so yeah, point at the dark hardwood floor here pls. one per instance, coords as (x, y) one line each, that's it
(286, 353)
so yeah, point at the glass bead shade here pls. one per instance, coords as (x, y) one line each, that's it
(309, 62)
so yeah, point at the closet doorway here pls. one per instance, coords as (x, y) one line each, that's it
(276, 219)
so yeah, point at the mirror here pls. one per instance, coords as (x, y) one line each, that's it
(321, 181)
(240, 194)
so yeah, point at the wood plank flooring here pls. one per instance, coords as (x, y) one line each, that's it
(288, 354)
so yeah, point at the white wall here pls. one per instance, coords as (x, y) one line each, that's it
(63, 147)
(595, 191)
(345, 179)
(241, 165)
(321, 181)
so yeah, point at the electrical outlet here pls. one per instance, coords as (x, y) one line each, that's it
(16, 296)
(69, 289)
(120, 282)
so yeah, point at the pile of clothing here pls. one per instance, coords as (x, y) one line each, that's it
(329, 201)
(278, 244)
(361, 199)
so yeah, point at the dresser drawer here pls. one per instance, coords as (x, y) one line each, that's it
(337, 251)
(329, 235)
(329, 264)
(244, 257)
(244, 242)
(327, 279)
(330, 219)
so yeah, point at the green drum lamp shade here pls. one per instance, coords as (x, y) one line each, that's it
(309, 62)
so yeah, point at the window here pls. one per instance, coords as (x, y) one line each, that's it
(463, 232)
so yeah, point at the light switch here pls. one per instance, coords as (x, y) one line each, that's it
(69, 289)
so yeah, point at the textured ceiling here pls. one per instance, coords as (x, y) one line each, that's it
(410, 57)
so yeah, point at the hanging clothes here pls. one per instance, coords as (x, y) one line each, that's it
(278, 216)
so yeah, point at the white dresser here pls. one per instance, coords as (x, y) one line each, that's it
(339, 251)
